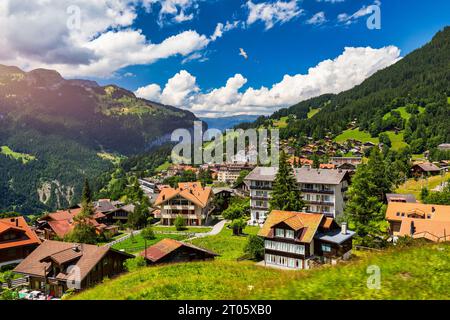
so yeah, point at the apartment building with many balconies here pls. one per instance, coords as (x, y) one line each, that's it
(323, 190)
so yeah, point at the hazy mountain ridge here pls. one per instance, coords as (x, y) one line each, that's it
(64, 124)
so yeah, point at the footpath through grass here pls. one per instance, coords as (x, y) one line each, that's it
(421, 272)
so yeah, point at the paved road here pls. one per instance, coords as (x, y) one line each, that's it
(215, 230)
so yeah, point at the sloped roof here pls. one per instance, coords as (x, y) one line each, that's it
(192, 191)
(429, 229)
(397, 197)
(437, 212)
(302, 175)
(22, 226)
(427, 167)
(86, 258)
(300, 220)
(167, 246)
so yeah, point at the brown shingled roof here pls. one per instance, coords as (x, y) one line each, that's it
(62, 252)
(167, 246)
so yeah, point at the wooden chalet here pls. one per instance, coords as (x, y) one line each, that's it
(173, 251)
(425, 169)
(297, 240)
(17, 240)
(54, 267)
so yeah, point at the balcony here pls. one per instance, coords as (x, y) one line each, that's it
(259, 208)
(253, 187)
(320, 203)
(184, 216)
(317, 191)
(262, 198)
(178, 207)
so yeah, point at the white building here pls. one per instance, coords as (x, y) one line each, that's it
(323, 190)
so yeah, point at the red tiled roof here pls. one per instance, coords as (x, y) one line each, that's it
(10, 224)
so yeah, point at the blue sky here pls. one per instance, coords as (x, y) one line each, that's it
(289, 48)
(168, 50)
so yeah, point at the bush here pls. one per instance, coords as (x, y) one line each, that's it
(255, 248)
(179, 223)
(148, 234)
(238, 226)
(135, 264)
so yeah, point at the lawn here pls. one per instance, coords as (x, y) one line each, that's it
(357, 135)
(25, 158)
(282, 123)
(228, 246)
(403, 113)
(413, 273)
(163, 167)
(111, 157)
(188, 229)
(313, 112)
(415, 186)
(396, 139)
(137, 243)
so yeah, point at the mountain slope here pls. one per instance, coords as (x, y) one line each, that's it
(63, 125)
(421, 79)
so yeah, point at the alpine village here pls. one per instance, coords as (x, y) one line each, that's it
(363, 179)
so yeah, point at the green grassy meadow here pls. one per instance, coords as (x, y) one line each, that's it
(418, 272)
(23, 157)
(415, 186)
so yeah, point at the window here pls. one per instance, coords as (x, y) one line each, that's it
(279, 233)
(290, 234)
(326, 248)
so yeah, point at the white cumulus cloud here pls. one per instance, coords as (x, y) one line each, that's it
(273, 13)
(347, 70)
(37, 34)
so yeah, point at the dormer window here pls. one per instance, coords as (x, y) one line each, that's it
(279, 233)
(290, 234)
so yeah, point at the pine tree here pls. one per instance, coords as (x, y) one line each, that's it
(87, 194)
(84, 231)
(365, 210)
(286, 194)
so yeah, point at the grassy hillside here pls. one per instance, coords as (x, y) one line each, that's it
(415, 186)
(413, 273)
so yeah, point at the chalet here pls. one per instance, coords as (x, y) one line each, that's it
(190, 200)
(119, 214)
(59, 224)
(297, 240)
(417, 220)
(425, 169)
(17, 240)
(403, 198)
(173, 251)
(54, 267)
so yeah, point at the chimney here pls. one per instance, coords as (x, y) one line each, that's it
(344, 228)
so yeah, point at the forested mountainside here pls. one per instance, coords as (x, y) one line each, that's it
(54, 132)
(418, 84)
